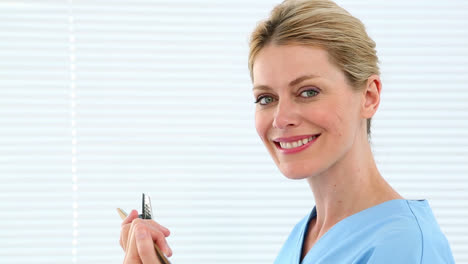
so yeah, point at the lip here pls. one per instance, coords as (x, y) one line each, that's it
(292, 139)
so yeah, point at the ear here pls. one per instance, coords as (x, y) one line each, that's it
(371, 97)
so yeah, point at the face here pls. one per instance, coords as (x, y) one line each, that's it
(307, 115)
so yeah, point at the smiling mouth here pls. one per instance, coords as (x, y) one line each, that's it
(299, 144)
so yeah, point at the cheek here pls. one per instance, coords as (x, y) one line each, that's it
(323, 117)
(261, 124)
(342, 120)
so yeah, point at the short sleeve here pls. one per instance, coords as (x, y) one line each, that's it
(396, 247)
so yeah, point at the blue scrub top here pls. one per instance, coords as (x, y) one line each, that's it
(396, 231)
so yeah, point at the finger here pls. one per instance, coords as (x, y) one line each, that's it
(157, 234)
(126, 227)
(131, 252)
(164, 229)
(158, 227)
(124, 236)
(145, 245)
(130, 217)
(151, 224)
(159, 238)
(134, 215)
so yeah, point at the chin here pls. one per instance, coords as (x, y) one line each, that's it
(295, 172)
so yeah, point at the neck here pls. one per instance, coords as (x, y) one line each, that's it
(349, 186)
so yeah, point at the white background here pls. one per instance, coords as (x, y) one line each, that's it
(103, 100)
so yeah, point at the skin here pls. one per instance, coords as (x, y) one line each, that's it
(300, 92)
(137, 237)
(339, 165)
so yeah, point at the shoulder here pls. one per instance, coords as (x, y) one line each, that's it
(436, 248)
(412, 237)
(396, 243)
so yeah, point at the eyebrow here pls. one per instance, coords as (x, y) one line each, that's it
(294, 82)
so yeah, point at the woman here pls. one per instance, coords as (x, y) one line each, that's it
(316, 87)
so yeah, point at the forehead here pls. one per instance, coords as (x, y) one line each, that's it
(279, 64)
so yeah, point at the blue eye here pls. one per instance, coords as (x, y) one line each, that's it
(309, 93)
(264, 100)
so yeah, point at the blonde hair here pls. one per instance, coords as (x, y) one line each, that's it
(324, 24)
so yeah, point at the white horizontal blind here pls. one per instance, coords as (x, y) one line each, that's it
(35, 193)
(103, 100)
(421, 129)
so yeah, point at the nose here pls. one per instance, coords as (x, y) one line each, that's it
(286, 115)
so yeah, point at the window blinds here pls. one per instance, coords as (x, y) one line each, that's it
(103, 100)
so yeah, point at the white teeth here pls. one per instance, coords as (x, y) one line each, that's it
(295, 144)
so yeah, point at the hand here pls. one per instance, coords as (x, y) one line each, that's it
(137, 237)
